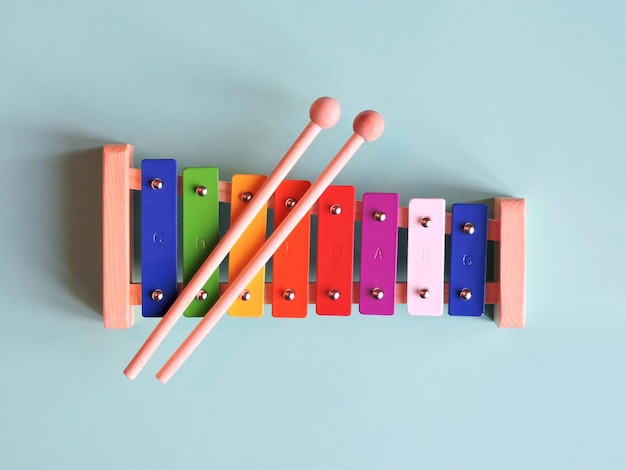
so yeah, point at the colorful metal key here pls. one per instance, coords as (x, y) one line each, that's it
(425, 256)
(379, 250)
(468, 259)
(200, 232)
(250, 301)
(159, 193)
(290, 263)
(335, 251)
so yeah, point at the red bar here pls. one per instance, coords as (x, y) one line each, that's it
(290, 278)
(335, 251)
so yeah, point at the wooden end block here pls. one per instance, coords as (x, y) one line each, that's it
(116, 253)
(510, 311)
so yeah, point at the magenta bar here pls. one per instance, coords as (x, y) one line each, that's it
(379, 251)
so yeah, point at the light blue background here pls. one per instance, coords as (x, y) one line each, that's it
(515, 98)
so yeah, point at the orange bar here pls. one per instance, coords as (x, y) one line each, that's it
(290, 276)
(250, 301)
(116, 254)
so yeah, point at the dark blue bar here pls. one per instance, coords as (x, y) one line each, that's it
(468, 259)
(159, 201)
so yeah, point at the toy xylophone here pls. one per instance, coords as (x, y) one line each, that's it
(334, 291)
(337, 211)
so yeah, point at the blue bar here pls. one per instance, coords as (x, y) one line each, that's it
(468, 260)
(159, 201)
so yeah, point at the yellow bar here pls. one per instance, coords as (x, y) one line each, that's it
(250, 302)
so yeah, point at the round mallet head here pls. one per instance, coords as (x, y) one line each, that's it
(325, 112)
(369, 125)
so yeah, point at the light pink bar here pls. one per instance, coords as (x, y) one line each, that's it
(324, 113)
(425, 255)
(368, 125)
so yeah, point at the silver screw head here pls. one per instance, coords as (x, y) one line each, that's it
(156, 184)
(465, 294)
(157, 295)
(246, 197)
(245, 296)
(426, 222)
(201, 191)
(469, 228)
(334, 294)
(289, 295)
(378, 293)
(380, 216)
(290, 203)
(335, 209)
(202, 295)
(424, 293)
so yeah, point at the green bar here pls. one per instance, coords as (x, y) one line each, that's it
(200, 231)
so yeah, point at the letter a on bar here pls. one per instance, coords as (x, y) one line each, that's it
(290, 276)
(425, 256)
(468, 259)
(159, 249)
(250, 301)
(200, 232)
(335, 251)
(379, 251)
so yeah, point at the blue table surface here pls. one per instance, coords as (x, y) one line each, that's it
(480, 99)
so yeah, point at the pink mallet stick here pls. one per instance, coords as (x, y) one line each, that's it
(325, 113)
(368, 126)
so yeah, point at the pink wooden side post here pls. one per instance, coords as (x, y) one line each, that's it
(510, 311)
(116, 260)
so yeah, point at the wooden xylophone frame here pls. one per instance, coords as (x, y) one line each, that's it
(507, 229)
